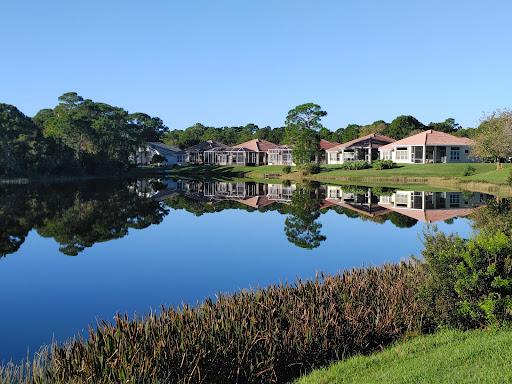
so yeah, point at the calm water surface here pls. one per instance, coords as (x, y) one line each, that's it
(75, 253)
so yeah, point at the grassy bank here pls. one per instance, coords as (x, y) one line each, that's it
(444, 357)
(265, 336)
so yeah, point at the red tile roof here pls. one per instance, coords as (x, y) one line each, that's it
(430, 137)
(257, 145)
(325, 144)
(376, 136)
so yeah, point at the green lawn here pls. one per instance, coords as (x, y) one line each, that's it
(445, 357)
(484, 172)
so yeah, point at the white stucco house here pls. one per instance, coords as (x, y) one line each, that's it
(172, 155)
(429, 147)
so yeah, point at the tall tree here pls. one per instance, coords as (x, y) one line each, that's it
(493, 139)
(403, 126)
(18, 142)
(302, 126)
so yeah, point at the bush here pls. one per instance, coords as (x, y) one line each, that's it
(265, 336)
(355, 165)
(383, 164)
(469, 170)
(287, 169)
(469, 283)
(509, 178)
(310, 169)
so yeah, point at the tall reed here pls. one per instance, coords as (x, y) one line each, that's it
(263, 336)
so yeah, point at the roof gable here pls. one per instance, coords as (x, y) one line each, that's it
(430, 137)
(374, 137)
(257, 145)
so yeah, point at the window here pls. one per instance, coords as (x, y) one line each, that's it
(454, 153)
(454, 200)
(333, 156)
(386, 155)
(402, 154)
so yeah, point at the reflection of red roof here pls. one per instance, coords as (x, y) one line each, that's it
(430, 137)
(431, 215)
(256, 201)
(257, 145)
(376, 136)
(325, 145)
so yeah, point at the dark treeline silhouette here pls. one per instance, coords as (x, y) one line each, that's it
(77, 137)
(76, 215)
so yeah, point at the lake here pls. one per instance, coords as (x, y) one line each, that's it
(74, 253)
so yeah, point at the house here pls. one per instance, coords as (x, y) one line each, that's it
(146, 153)
(252, 152)
(195, 153)
(325, 145)
(429, 147)
(363, 148)
(430, 207)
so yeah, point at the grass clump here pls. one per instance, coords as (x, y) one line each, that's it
(469, 170)
(264, 336)
(287, 169)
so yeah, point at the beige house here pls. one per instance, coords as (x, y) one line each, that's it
(428, 147)
(363, 148)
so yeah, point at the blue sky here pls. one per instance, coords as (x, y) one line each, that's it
(233, 62)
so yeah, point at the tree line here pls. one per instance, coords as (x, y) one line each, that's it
(78, 136)
(83, 137)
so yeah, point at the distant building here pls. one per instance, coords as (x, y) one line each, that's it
(364, 148)
(195, 153)
(252, 152)
(146, 153)
(429, 147)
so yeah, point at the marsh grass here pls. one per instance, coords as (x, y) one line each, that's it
(269, 335)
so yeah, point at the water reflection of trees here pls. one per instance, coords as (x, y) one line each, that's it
(496, 216)
(75, 215)
(301, 225)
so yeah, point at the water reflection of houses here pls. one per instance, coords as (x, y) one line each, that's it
(433, 206)
(361, 200)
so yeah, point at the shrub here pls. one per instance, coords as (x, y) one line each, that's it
(287, 169)
(310, 169)
(264, 336)
(158, 159)
(469, 283)
(469, 170)
(355, 165)
(383, 164)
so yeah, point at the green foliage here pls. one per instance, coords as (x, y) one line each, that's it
(310, 169)
(469, 170)
(469, 282)
(448, 126)
(158, 159)
(265, 336)
(354, 165)
(403, 126)
(493, 139)
(287, 169)
(18, 142)
(383, 164)
(301, 226)
(302, 126)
